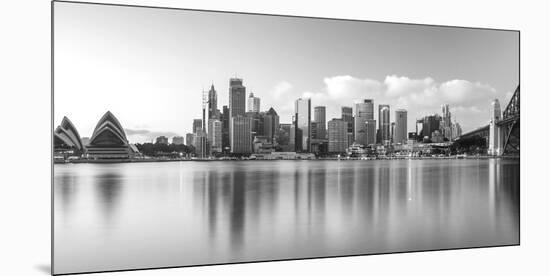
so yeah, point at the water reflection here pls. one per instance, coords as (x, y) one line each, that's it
(212, 212)
(108, 188)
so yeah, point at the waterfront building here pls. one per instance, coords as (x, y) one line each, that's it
(261, 144)
(213, 111)
(108, 140)
(384, 124)
(495, 134)
(225, 129)
(337, 136)
(400, 132)
(189, 139)
(237, 97)
(161, 140)
(363, 112)
(253, 103)
(67, 139)
(319, 117)
(215, 135)
(197, 124)
(302, 107)
(370, 131)
(177, 140)
(240, 134)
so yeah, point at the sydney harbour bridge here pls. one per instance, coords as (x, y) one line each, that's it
(503, 131)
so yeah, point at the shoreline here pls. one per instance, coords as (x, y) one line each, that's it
(114, 161)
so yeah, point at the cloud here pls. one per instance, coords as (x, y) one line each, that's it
(348, 87)
(146, 136)
(469, 101)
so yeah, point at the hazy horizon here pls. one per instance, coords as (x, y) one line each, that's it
(149, 66)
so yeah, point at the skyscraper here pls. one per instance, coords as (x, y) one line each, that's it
(446, 123)
(347, 116)
(384, 123)
(240, 134)
(494, 131)
(225, 129)
(253, 103)
(197, 124)
(237, 97)
(271, 124)
(213, 111)
(370, 131)
(337, 135)
(364, 112)
(237, 105)
(200, 143)
(215, 135)
(302, 108)
(319, 116)
(400, 132)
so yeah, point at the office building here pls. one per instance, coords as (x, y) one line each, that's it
(237, 97)
(240, 134)
(347, 116)
(319, 117)
(302, 107)
(197, 124)
(446, 123)
(337, 136)
(384, 124)
(200, 142)
(370, 132)
(161, 140)
(215, 135)
(364, 112)
(271, 124)
(253, 103)
(177, 140)
(213, 111)
(400, 132)
(225, 129)
(189, 139)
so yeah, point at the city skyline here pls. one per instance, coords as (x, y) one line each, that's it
(154, 91)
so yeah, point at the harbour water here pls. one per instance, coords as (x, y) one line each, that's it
(164, 214)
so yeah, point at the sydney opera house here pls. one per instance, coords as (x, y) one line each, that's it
(108, 141)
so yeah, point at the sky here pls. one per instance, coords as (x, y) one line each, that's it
(149, 66)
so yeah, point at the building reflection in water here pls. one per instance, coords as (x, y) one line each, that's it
(65, 192)
(108, 188)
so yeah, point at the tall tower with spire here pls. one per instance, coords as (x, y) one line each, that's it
(213, 112)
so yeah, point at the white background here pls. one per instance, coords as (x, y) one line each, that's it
(25, 137)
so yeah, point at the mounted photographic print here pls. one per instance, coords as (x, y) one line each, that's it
(190, 137)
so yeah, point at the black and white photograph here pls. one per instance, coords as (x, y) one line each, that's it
(185, 137)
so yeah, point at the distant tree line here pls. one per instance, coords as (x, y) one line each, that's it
(159, 149)
(471, 145)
